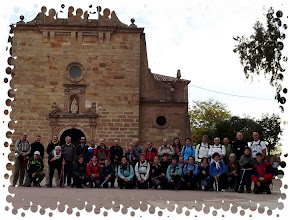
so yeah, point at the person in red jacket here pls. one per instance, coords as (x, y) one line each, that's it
(262, 175)
(150, 152)
(93, 172)
(102, 152)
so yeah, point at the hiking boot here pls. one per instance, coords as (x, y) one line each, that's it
(241, 191)
(268, 190)
(249, 190)
(256, 189)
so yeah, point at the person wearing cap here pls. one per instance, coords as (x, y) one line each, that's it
(34, 170)
(233, 170)
(217, 172)
(55, 160)
(246, 163)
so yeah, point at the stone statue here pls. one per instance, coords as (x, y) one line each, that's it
(74, 107)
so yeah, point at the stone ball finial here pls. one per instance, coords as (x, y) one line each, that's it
(133, 20)
(106, 12)
(43, 9)
(21, 17)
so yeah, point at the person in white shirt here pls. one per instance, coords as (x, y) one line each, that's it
(258, 146)
(166, 149)
(217, 147)
(202, 149)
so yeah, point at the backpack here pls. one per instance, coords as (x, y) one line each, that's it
(200, 147)
(259, 144)
(153, 150)
(183, 148)
(102, 154)
(91, 168)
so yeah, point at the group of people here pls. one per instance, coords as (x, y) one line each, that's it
(224, 166)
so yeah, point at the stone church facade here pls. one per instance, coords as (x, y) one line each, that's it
(91, 77)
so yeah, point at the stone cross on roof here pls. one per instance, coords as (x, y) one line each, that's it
(108, 18)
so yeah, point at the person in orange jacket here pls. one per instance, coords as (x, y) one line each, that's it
(93, 171)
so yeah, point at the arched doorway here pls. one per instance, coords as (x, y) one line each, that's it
(75, 135)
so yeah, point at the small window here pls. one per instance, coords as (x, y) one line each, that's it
(75, 72)
(161, 120)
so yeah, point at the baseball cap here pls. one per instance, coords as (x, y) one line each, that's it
(36, 153)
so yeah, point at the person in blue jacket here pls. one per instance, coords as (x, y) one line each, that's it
(187, 150)
(217, 172)
(174, 175)
(190, 172)
(125, 174)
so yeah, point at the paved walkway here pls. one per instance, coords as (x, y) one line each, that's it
(86, 197)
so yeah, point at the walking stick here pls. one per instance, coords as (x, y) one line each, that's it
(216, 185)
(61, 174)
(103, 183)
(242, 178)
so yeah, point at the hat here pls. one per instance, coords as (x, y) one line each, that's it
(232, 155)
(36, 153)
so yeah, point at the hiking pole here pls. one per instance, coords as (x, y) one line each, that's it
(242, 178)
(217, 185)
(103, 183)
(61, 174)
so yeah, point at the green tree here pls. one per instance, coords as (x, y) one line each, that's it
(271, 130)
(204, 115)
(262, 52)
(229, 128)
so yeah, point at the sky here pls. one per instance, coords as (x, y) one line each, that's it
(195, 36)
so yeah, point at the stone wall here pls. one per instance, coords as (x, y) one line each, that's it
(175, 126)
(111, 76)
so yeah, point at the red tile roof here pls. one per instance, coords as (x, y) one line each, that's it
(164, 78)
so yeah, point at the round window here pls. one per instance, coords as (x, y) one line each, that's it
(161, 120)
(75, 72)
